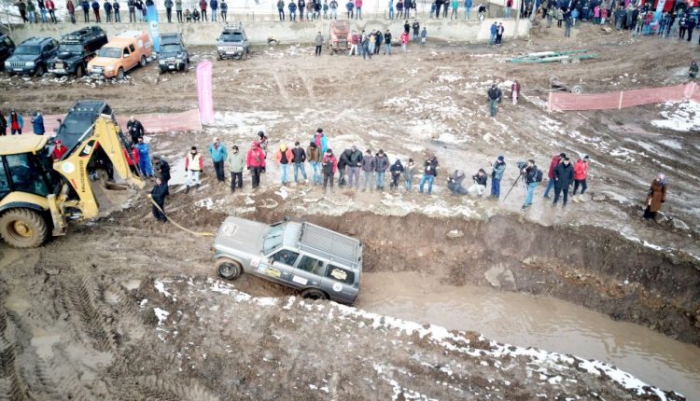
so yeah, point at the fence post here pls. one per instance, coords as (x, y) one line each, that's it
(693, 85)
(619, 105)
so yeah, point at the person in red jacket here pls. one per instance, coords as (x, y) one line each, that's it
(58, 151)
(203, 7)
(255, 161)
(580, 174)
(51, 8)
(555, 162)
(71, 10)
(329, 166)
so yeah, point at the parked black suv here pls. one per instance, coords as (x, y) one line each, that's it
(7, 47)
(76, 49)
(173, 55)
(31, 56)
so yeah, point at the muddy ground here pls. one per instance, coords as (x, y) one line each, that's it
(127, 308)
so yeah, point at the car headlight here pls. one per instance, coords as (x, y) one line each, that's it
(109, 68)
(161, 61)
(7, 64)
(29, 64)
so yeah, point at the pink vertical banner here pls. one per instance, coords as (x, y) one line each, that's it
(204, 91)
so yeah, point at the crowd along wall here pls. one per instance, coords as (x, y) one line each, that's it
(203, 34)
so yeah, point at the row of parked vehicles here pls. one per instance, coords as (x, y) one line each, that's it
(89, 52)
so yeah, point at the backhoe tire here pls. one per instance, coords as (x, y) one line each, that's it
(23, 228)
(229, 269)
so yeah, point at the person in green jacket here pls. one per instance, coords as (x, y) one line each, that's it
(31, 10)
(455, 7)
(236, 163)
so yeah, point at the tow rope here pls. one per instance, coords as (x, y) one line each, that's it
(195, 233)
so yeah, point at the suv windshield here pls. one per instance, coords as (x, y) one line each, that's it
(171, 49)
(273, 238)
(27, 50)
(231, 37)
(70, 48)
(111, 52)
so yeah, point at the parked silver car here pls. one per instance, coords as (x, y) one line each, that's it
(320, 263)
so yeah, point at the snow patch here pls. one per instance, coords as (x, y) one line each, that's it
(683, 117)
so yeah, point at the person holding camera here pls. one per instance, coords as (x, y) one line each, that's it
(480, 180)
(532, 179)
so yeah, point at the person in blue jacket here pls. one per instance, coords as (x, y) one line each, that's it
(292, 11)
(467, 9)
(144, 158)
(218, 154)
(85, 4)
(38, 124)
(96, 10)
(214, 5)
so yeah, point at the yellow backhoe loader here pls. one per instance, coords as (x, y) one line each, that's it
(38, 195)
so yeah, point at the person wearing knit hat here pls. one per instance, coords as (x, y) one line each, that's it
(284, 157)
(499, 167)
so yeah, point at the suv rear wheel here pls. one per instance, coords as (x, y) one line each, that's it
(79, 71)
(229, 269)
(314, 294)
(40, 70)
(143, 61)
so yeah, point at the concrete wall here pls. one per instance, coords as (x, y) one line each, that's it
(286, 32)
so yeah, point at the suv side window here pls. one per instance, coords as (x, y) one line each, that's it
(311, 265)
(4, 182)
(340, 274)
(132, 48)
(286, 257)
(126, 51)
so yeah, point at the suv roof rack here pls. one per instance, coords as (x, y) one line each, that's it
(233, 26)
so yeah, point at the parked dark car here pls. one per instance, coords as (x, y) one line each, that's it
(7, 47)
(32, 56)
(76, 49)
(173, 54)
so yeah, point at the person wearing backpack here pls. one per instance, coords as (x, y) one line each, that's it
(552, 166)
(533, 177)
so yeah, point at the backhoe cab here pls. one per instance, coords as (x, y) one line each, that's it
(38, 195)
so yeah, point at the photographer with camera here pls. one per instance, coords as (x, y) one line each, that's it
(533, 177)
(480, 180)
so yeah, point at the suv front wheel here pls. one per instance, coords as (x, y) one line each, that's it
(143, 61)
(314, 294)
(229, 269)
(40, 70)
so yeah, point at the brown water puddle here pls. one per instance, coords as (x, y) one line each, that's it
(538, 321)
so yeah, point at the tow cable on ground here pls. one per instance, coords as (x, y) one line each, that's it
(195, 233)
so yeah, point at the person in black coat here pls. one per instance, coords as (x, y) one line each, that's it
(563, 178)
(162, 170)
(158, 194)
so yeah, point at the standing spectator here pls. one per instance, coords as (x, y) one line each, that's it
(693, 71)
(560, 17)
(135, 129)
(399, 9)
(292, 11)
(499, 33)
(42, 10)
(143, 10)
(655, 197)
(350, 6)
(515, 92)
(203, 8)
(38, 124)
(455, 9)
(531, 180)
(325, 9)
(301, 4)
(255, 162)
(144, 158)
(552, 166)
(71, 10)
(550, 16)
(378, 41)
(284, 157)
(416, 30)
(115, 9)
(509, 5)
(193, 167)
(22, 8)
(358, 9)
(96, 11)
(429, 174)
(354, 43)
(387, 41)
(218, 155)
(353, 167)
(236, 163)
(86, 11)
(433, 9)
(319, 43)
(580, 174)
(58, 151)
(494, 32)
(381, 163)
(368, 166)
(690, 26)
(214, 5)
(299, 158)
(314, 156)
(334, 9)
(342, 164)
(408, 174)
(467, 9)
(391, 9)
(108, 10)
(131, 5)
(365, 47)
(3, 124)
(224, 10)
(564, 177)
(567, 25)
(178, 10)
(31, 10)
(329, 165)
(480, 180)
(321, 140)
(423, 36)
(494, 95)
(16, 123)
(168, 10)
(158, 195)
(396, 171)
(407, 4)
(404, 42)
(499, 168)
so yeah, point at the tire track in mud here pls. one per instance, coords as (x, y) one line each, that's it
(12, 386)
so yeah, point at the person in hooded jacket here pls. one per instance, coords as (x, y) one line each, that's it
(408, 173)
(299, 158)
(353, 167)
(556, 160)
(655, 197)
(38, 124)
(314, 156)
(580, 174)
(162, 168)
(255, 162)
(429, 174)
(284, 157)
(499, 168)
(396, 170)
(381, 161)
(329, 165)
(563, 178)
(343, 161)
(368, 167)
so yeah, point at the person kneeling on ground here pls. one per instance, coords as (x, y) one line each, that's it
(480, 179)
(454, 183)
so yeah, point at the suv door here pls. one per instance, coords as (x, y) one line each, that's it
(134, 57)
(308, 273)
(339, 283)
(279, 266)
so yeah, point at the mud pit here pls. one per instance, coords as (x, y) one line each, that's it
(130, 309)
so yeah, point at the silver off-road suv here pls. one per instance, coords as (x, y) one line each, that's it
(233, 43)
(320, 263)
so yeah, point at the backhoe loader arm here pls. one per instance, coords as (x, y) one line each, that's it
(74, 166)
